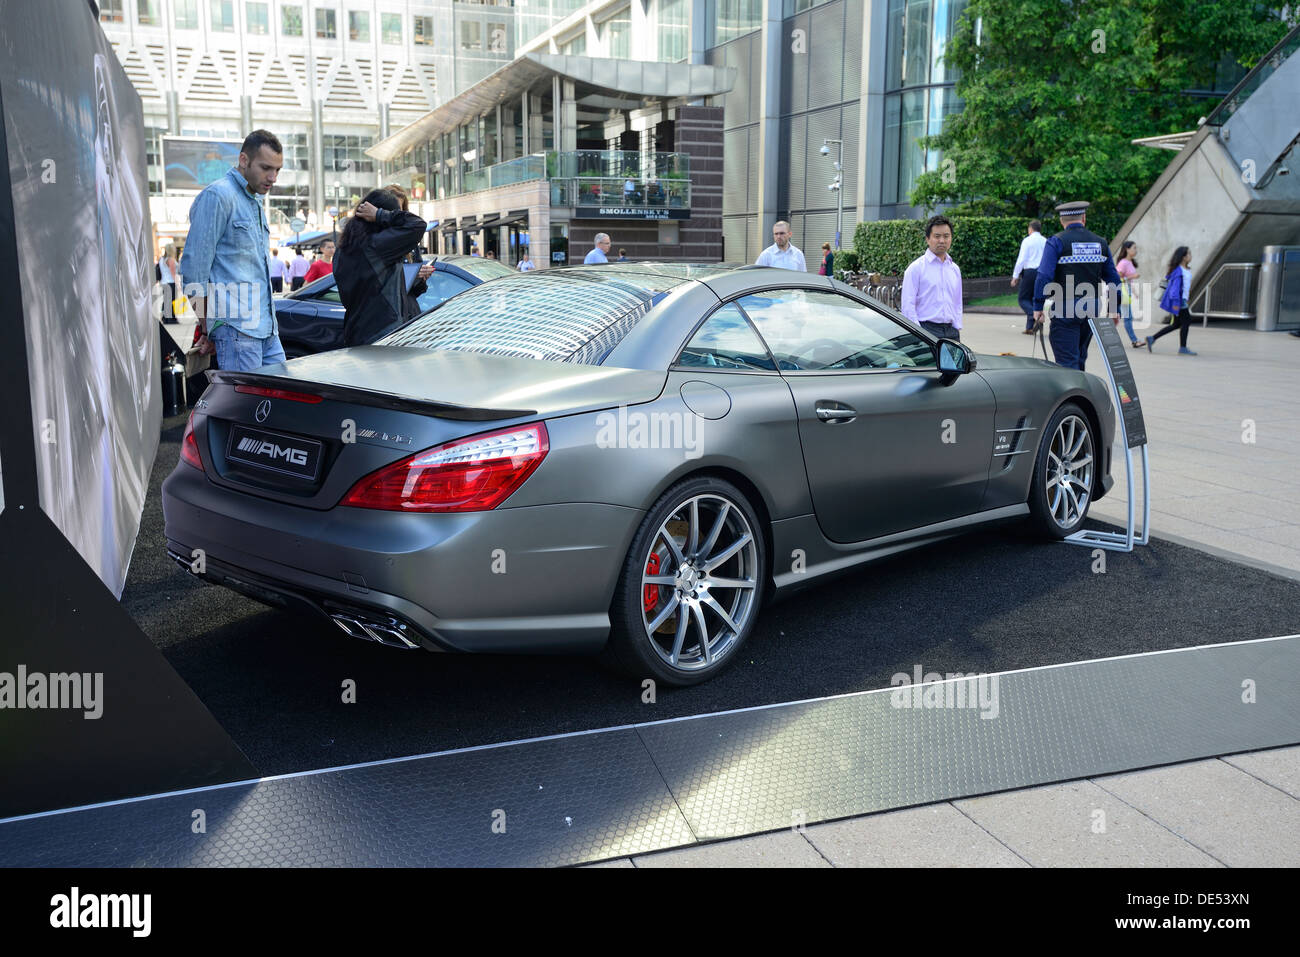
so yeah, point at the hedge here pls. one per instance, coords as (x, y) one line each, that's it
(845, 260)
(982, 245)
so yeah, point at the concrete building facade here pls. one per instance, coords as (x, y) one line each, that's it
(865, 77)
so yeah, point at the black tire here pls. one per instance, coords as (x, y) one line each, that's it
(724, 517)
(1053, 514)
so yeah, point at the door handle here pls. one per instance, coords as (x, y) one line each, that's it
(835, 413)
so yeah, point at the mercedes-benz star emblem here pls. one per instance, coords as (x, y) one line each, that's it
(263, 410)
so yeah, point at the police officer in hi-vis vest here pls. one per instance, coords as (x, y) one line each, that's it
(1077, 269)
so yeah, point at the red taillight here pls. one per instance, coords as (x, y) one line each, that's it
(190, 447)
(468, 475)
(279, 394)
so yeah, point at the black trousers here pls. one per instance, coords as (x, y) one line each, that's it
(277, 284)
(1182, 322)
(297, 282)
(1026, 295)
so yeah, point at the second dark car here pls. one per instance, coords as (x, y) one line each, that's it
(311, 318)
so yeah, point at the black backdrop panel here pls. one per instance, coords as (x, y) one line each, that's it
(89, 709)
(75, 137)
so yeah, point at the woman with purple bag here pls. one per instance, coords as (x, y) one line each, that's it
(1178, 284)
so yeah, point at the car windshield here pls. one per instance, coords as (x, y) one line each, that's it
(570, 315)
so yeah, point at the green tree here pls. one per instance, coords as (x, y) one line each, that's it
(1055, 91)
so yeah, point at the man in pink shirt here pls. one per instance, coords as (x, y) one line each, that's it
(932, 284)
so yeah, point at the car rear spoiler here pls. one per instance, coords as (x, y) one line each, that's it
(382, 400)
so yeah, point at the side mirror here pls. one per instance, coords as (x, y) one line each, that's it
(954, 359)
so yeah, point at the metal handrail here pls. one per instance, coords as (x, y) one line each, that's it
(1204, 296)
(1261, 71)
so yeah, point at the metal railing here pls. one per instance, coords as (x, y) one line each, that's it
(624, 163)
(1253, 80)
(1230, 294)
(621, 191)
(513, 171)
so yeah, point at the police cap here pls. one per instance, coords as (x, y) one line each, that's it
(1071, 210)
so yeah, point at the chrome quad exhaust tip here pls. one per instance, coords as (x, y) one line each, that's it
(386, 631)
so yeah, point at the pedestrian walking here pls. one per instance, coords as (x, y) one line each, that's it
(1178, 286)
(298, 270)
(225, 257)
(932, 284)
(1077, 271)
(1127, 267)
(169, 276)
(525, 264)
(782, 254)
(277, 271)
(828, 261)
(600, 251)
(322, 266)
(368, 266)
(1025, 273)
(622, 255)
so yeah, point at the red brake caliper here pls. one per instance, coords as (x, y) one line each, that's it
(650, 596)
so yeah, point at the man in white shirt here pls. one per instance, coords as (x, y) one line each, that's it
(1026, 271)
(782, 253)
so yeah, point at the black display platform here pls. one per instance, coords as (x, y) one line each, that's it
(621, 791)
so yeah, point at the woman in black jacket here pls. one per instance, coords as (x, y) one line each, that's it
(368, 266)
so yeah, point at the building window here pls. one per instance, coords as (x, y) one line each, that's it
(918, 35)
(325, 28)
(727, 19)
(187, 14)
(223, 15)
(799, 6)
(258, 18)
(422, 32)
(147, 13)
(110, 11)
(291, 21)
(496, 39)
(617, 36)
(391, 27)
(471, 35)
(674, 25)
(577, 46)
(359, 26)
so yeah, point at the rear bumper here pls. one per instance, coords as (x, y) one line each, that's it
(515, 580)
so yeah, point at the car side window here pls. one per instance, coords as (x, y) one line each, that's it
(726, 340)
(329, 295)
(442, 286)
(814, 331)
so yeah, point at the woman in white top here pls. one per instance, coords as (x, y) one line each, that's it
(168, 271)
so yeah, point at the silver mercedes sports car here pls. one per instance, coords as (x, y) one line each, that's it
(631, 458)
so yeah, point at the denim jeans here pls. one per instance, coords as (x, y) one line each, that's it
(241, 353)
(1126, 313)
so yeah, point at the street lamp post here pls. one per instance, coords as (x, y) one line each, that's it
(337, 194)
(837, 187)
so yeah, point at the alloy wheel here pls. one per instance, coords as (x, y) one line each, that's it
(1069, 471)
(700, 582)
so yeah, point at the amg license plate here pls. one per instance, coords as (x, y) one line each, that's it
(287, 454)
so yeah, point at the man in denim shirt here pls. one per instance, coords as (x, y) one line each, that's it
(225, 266)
